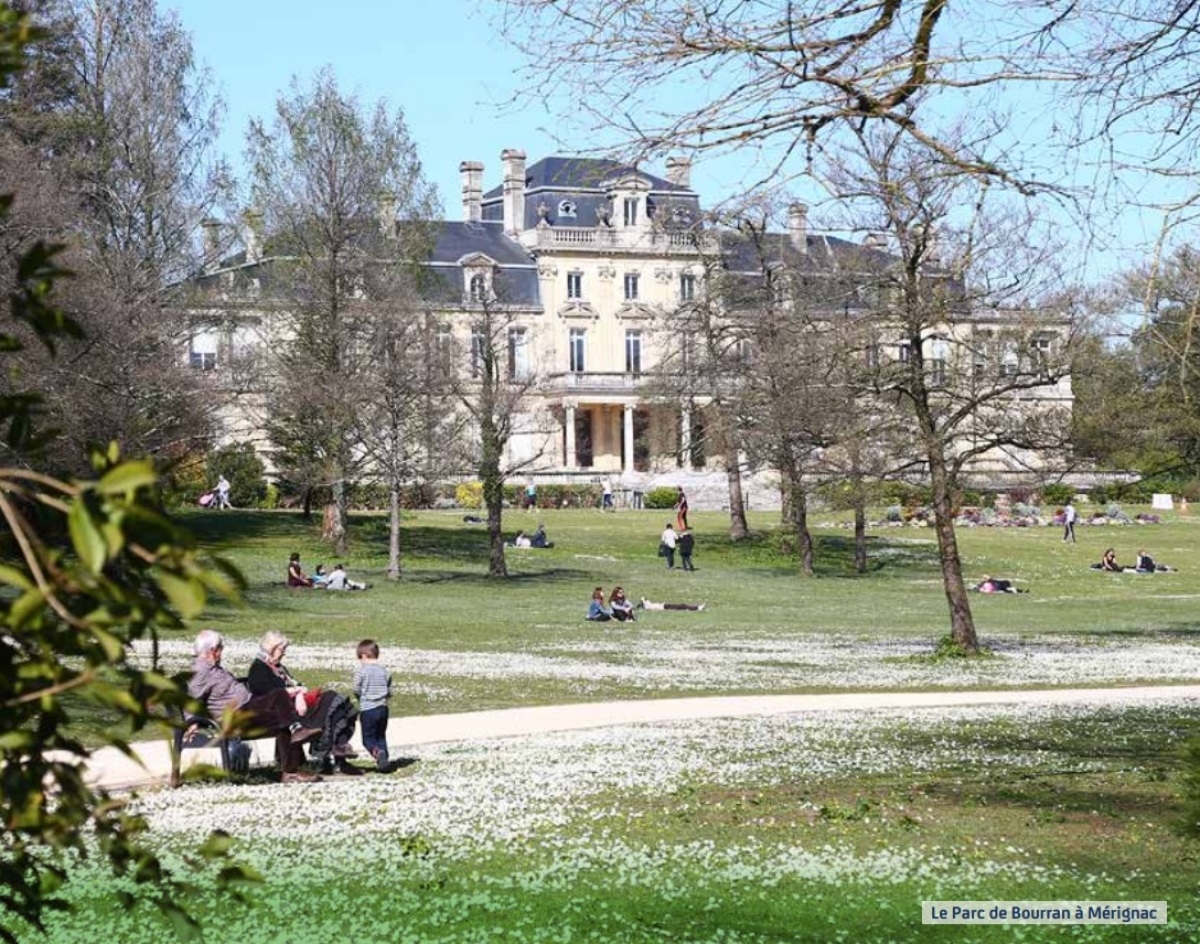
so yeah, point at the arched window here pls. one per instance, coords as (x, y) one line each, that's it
(478, 288)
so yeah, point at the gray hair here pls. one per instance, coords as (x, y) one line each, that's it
(273, 638)
(207, 640)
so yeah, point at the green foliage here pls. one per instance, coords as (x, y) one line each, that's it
(1057, 493)
(86, 568)
(568, 496)
(244, 469)
(663, 497)
(1191, 788)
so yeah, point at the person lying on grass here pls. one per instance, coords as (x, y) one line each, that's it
(996, 585)
(651, 605)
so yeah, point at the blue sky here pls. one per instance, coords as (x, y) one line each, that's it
(461, 90)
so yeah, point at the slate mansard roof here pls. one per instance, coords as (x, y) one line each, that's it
(583, 183)
(515, 280)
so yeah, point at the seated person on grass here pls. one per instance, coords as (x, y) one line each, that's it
(1147, 565)
(337, 580)
(1109, 563)
(539, 537)
(620, 606)
(597, 611)
(295, 573)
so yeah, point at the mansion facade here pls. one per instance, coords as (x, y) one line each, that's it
(585, 256)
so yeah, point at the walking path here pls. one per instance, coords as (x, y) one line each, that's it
(112, 770)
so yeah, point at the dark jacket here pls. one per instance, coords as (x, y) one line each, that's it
(687, 543)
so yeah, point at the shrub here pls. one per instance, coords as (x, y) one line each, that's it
(469, 494)
(662, 497)
(1191, 787)
(568, 496)
(244, 469)
(1057, 493)
(185, 481)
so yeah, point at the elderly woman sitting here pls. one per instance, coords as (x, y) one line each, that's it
(273, 712)
(332, 714)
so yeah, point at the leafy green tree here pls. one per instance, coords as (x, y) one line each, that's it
(343, 206)
(87, 569)
(243, 468)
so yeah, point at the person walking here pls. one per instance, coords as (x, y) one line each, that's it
(223, 492)
(1069, 516)
(686, 543)
(666, 545)
(606, 497)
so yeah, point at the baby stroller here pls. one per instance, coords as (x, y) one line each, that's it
(206, 500)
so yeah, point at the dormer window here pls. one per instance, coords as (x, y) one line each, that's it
(630, 205)
(567, 209)
(478, 288)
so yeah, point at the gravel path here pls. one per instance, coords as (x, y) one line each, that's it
(112, 770)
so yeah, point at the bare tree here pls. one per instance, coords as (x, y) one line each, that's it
(114, 132)
(777, 76)
(329, 180)
(973, 357)
(492, 377)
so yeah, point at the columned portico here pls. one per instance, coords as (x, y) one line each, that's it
(685, 437)
(570, 460)
(627, 438)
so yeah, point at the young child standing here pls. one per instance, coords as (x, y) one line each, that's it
(373, 686)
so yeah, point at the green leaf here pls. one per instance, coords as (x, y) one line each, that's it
(218, 844)
(186, 594)
(15, 578)
(127, 477)
(86, 537)
(25, 607)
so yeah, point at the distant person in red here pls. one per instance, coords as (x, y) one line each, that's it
(681, 510)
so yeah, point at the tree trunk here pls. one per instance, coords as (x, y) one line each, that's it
(795, 503)
(333, 528)
(962, 623)
(393, 568)
(738, 529)
(860, 533)
(493, 499)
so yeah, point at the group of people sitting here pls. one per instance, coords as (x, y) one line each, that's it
(335, 579)
(619, 608)
(537, 539)
(272, 701)
(1144, 564)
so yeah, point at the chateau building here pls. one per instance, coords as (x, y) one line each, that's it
(585, 256)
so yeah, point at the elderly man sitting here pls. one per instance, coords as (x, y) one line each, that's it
(275, 712)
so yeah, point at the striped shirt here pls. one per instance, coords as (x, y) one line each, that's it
(372, 685)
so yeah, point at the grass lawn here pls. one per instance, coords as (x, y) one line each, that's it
(827, 827)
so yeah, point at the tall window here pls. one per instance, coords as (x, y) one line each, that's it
(443, 342)
(687, 287)
(203, 352)
(574, 285)
(577, 349)
(744, 351)
(631, 286)
(478, 288)
(1039, 351)
(631, 211)
(939, 353)
(904, 352)
(478, 351)
(518, 354)
(633, 352)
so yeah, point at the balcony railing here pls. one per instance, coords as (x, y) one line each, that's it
(629, 240)
(593, 382)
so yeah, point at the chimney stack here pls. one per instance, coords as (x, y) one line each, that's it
(798, 226)
(211, 228)
(514, 190)
(679, 171)
(471, 173)
(386, 207)
(252, 235)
